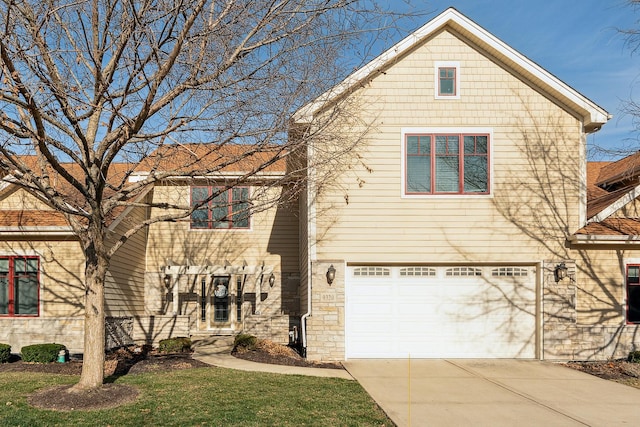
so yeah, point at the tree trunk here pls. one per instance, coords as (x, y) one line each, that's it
(94, 322)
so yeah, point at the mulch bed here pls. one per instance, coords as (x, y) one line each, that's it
(614, 370)
(121, 362)
(266, 351)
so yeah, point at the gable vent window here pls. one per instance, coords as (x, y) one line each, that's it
(371, 271)
(418, 271)
(463, 272)
(510, 271)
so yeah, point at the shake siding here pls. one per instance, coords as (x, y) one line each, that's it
(272, 239)
(124, 288)
(378, 225)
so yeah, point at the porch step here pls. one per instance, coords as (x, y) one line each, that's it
(212, 344)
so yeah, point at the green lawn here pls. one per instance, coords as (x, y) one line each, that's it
(203, 397)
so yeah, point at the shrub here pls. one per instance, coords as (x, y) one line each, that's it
(175, 345)
(634, 357)
(5, 352)
(245, 341)
(41, 353)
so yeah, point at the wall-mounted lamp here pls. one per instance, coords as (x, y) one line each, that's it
(167, 280)
(331, 274)
(272, 280)
(560, 272)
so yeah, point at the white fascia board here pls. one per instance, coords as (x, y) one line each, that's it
(595, 114)
(141, 176)
(37, 230)
(617, 205)
(605, 239)
(128, 209)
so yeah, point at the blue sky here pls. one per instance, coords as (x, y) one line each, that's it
(576, 40)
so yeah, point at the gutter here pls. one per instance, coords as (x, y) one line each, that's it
(604, 239)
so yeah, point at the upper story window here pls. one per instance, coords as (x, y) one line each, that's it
(447, 80)
(19, 286)
(228, 209)
(446, 163)
(633, 293)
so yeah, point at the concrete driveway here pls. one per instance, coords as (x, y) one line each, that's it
(494, 393)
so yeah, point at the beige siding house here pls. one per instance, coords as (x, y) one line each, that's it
(454, 236)
(466, 223)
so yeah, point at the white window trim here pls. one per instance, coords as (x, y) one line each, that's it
(436, 79)
(443, 130)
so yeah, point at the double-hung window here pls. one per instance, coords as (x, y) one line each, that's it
(228, 208)
(633, 293)
(446, 163)
(19, 285)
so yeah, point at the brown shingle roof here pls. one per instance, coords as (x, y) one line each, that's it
(621, 170)
(612, 227)
(186, 158)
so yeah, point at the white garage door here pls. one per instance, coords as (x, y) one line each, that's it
(440, 312)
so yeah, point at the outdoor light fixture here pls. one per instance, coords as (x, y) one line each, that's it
(331, 274)
(560, 272)
(272, 280)
(167, 280)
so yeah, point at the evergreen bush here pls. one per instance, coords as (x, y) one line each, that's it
(634, 357)
(5, 352)
(175, 345)
(41, 353)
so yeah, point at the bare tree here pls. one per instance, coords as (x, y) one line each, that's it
(93, 89)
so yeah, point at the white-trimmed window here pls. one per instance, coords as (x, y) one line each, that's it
(447, 80)
(19, 286)
(446, 163)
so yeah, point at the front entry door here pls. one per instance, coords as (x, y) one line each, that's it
(218, 303)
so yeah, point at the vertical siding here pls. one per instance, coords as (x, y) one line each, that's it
(534, 202)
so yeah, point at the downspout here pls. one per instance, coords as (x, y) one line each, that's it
(311, 230)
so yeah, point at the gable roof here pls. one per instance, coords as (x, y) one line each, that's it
(593, 116)
(626, 169)
(604, 199)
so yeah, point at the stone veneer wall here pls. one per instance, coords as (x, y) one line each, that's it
(19, 332)
(564, 338)
(152, 329)
(274, 328)
(325, 326)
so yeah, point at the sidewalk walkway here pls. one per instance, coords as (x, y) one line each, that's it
(222, 358)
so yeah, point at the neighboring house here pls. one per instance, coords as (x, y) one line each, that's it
(220, 271)
(469, 226)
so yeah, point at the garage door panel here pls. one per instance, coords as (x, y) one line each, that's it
(440, 317)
